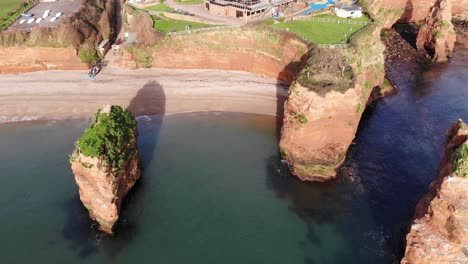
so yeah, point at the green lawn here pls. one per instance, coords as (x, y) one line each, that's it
(169, 25)
(363, 18)
(161, 7)
(322, 32)
(189, 2)
(7, 6)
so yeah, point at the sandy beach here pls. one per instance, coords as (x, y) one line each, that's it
(68, 94)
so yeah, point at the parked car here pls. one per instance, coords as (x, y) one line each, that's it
(27, 15)
(45, 15)
(22, 21)
(31, 20)
(39, 20)
(58, 15)
(53, 19)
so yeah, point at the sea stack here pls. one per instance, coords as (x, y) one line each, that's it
(437, 33)
(106, 164)
(439, 232)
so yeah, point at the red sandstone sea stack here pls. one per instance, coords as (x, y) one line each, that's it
(439, 233)
(106, 164)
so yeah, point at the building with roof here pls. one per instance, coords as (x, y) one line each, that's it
(348, 11)
(245, 9)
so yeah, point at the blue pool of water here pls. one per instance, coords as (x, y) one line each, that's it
(316, 7)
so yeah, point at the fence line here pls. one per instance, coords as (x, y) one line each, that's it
(332, 20)
(185, 32)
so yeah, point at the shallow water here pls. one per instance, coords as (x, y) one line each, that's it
(214, 189)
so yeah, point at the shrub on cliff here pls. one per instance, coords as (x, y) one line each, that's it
(460, 161)
(111, 136)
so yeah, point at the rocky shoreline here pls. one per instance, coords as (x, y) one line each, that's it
(439, 232)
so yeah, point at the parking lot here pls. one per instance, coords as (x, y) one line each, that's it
(66, 7)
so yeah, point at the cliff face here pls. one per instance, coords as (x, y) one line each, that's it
(437, 33)
(85, 29)
(439, 233)
(106, 164)
(323, 110)
(256, 50)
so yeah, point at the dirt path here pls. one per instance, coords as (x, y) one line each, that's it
(65, 94)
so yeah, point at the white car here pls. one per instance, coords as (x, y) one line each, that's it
(22, 21)
(45, 15)
(47, 11)
(31, 20)
(38, 20)
(58, 15)
(53, 19)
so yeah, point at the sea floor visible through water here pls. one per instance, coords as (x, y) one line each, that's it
(215, 190)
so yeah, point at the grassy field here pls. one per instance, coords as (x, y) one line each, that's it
(161, 7)
(323, 32)
(167, 25)
(189, 2)
(7, 6)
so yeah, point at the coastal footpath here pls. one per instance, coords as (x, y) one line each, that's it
(439, 232)
(106, 164)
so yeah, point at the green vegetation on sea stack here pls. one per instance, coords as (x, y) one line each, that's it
(111, 136)
(323, 32)
(460, 161)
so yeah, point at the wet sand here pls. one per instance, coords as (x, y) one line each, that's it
(68, 94)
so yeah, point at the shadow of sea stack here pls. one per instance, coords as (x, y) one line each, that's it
(106, 164)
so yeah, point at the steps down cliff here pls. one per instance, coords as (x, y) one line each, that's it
(439, 233)
(106, 164)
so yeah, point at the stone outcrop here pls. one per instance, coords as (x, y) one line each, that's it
(439, 233)
(106, 164)
(437, 34)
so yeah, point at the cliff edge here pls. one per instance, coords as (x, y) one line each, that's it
(106, 164)
(439, 233)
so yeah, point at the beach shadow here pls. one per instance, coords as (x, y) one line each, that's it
(82, 233)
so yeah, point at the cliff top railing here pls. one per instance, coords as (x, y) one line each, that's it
(191, 31)
(331, 20)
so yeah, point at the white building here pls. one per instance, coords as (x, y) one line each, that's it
(346, 11)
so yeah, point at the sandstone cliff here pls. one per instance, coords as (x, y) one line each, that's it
(79, 34)
(437, 34)
(256, 49)
(106, 164)
(439, 233)
(328, 97)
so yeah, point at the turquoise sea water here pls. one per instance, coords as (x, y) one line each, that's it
(215, 191)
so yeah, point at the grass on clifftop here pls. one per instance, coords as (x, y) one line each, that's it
(189, 2)
(112, 136)
(460, 161)
(323, 32)
(167, 25)
(161, 7)
(7, 6)
(10, 10)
